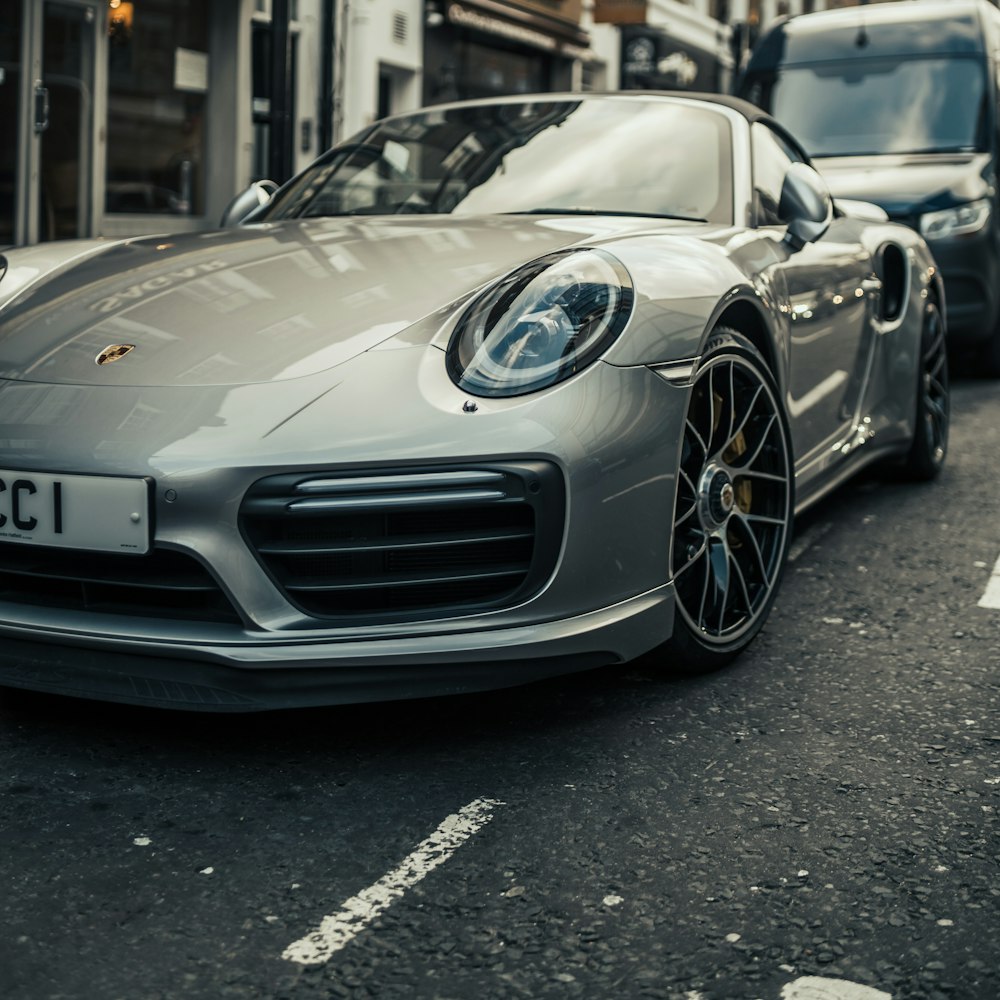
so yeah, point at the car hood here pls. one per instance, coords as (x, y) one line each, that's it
(907, 185)
(254, 304)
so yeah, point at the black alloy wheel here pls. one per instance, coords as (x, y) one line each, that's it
(734, 505)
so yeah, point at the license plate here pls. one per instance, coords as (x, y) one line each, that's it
(100, 513)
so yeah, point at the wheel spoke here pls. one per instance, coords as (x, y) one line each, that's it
(935, 353)
(748, 604)
(935, 410)
(683, 517)
(718, 554)
(764, 519)
(701, 441)
(771, 477)
(704, 592)
(731, 399)
(701, 551)
(746, 416)
(723, 420)
(746, 465)
(747, 534)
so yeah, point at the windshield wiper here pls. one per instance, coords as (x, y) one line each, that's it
(604, 211)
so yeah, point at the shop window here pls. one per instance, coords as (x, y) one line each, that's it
(492, 72)
(158, 72)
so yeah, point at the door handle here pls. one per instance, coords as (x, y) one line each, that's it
(871, 285)
(41, 108)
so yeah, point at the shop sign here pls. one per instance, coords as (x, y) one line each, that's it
(562, 10)
(653, 60)
(524, 26)
(620, 11)
(466, 18)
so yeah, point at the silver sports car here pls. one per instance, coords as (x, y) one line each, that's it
(490, 392)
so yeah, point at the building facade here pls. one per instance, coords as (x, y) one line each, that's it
(130, 117)
(123, 117)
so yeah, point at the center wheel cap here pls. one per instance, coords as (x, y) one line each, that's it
(721, 497)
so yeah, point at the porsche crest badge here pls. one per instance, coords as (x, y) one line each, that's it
(113, 352)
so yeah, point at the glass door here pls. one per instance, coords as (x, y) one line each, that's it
(10, 103)
(56, 150)
(64, 120)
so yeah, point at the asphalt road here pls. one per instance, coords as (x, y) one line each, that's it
(827, 808)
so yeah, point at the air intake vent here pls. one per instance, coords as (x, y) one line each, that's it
(161, 584)
(405, 544)
(400, 27)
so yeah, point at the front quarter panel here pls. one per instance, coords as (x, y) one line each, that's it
(683, 286)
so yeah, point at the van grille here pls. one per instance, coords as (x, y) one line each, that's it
(405, 544)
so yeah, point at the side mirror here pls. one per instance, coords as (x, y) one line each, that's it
(258, 194)
(806, 206)
(863, 210)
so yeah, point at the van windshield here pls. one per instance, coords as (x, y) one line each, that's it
(869, 106)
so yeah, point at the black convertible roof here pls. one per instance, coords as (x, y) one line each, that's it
(749, 111)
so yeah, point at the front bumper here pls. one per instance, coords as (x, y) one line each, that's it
(613, 434)
(970, 268)
(247, 678)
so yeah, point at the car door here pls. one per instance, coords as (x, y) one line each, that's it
(829, 290)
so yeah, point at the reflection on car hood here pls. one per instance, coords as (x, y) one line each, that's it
(906, 185)
(260, 303)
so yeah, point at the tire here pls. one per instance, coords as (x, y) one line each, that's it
(734, 507)
(926, 456)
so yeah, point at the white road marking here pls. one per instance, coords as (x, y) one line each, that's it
(339, 929)
(991, 597)
(808, 539)
(822, 988)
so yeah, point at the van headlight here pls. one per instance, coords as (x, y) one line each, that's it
(961, 219)
(541, 324)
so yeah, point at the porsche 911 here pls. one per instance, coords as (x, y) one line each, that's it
(492, 391)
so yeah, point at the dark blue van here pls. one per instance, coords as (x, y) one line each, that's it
(897, 104)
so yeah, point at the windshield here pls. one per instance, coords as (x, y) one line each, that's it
(868, 106)
(595, 156)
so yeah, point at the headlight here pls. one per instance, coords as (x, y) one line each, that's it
(541, 324)
(955, 221)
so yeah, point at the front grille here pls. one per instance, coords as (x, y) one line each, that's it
(406, 544)
(160, 584)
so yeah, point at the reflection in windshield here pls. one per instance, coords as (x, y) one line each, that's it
(593, 156)
(866, 106)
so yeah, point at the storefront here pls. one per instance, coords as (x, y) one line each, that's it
(123, 117)
(482, 48)
(654, 59)
(666, 45)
